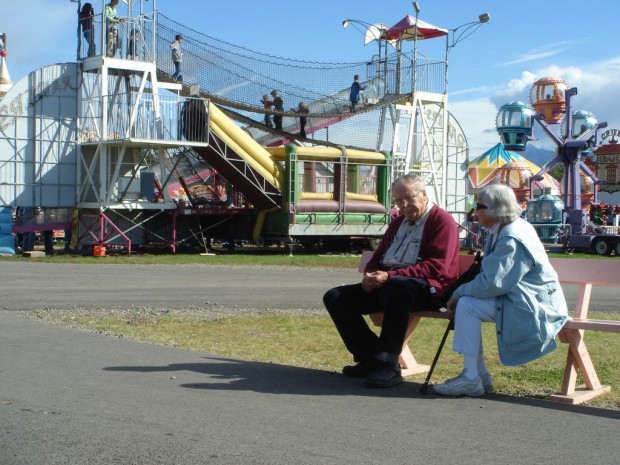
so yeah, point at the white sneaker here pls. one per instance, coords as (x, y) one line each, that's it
(487, 382)
(460, 386)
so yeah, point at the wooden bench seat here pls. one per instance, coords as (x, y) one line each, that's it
(585, 273)
(594, 325)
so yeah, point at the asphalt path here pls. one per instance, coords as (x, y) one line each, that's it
(30, 286)
(72, 397)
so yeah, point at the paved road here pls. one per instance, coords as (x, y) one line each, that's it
(71, 397)
(41, 285)
(33, 286)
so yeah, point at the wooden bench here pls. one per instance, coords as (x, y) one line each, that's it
(583, 272)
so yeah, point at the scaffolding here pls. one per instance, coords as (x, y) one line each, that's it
(122, 152)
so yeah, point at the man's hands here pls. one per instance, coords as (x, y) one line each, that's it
(374, 280)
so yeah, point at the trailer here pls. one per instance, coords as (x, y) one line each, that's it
(583, 235)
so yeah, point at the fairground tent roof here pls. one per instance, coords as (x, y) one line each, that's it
(490, 168)
(410, 28)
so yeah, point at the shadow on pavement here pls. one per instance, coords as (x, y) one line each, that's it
(271, 378)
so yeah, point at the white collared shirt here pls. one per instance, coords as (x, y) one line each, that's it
(493, 233)
(405, 247)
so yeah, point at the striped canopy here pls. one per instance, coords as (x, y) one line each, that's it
(410, 28)
(498, 165)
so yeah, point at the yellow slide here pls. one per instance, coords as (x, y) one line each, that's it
(266, 161)
(251, 151)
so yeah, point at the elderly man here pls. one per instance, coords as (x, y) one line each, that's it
(413, 266)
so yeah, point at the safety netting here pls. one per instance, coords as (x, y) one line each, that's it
(240, 79)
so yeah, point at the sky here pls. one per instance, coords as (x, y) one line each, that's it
(524, 41)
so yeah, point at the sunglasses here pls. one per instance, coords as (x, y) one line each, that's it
(481, 206)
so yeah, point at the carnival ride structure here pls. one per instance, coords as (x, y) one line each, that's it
(551, 101)
(116, 150)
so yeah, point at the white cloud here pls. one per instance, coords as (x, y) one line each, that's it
(515, 89)
(472, 90)
(477, 118)
(539, 53)
(533, 57)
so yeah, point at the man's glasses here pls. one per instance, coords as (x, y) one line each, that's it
(406, 200)
(481, 206)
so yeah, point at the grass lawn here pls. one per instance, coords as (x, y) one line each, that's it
(247, 256)
(251, 257)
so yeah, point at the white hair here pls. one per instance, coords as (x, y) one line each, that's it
(411, 180)
(501, 203)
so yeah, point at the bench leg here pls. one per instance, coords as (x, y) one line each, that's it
(407, 361)
(578, 361)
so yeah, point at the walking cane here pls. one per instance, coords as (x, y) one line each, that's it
(465, 277)
(424, 387)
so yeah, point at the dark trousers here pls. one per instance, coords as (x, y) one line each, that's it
(277, 121)
(177, 71)
(397, 298)
(89, 35)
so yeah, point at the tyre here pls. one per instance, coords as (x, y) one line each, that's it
(617, 248)
(602, 247)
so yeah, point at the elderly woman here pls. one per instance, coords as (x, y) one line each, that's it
(517, 289)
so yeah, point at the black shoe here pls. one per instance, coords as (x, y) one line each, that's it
(361, 369)
(386, 374)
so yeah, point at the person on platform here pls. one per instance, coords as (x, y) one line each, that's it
(355, 93)
(278, 105)
(267, 104)
(112, 21)
(195, 117)
(416, 262)
(517, 288)
(303, 111)
(133, 45)
(177, 57)
(86, 18)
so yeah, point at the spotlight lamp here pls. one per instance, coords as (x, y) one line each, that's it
(465, 30)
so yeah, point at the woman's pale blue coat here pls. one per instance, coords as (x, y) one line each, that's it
(529, 301)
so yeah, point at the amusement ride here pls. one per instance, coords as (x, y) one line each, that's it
(118, 153)
(576, 136)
